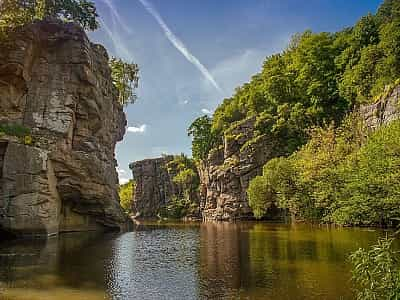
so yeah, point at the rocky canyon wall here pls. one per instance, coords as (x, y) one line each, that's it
(226, 173)
(155, 189)
(61, 176)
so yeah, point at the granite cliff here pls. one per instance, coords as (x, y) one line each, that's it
(56, 85)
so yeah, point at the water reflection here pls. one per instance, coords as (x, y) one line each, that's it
(272, 261)
(181, 261)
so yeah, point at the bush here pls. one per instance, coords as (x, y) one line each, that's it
(376, 272)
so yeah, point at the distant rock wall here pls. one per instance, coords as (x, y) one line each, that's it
(58, 84)
(155, 188)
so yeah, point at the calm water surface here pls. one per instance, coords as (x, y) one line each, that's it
(185, 261)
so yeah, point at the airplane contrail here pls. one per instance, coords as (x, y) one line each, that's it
(114, 12)
(118, 44)
(178, 44)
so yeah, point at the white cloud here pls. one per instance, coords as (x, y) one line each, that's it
(186, 102)
(140, 129)
(122, 175)
(123, 180)
(206, 111)
(179, 45)
(120, 171)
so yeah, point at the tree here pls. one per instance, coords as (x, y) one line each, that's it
(203, 138)
(126, 193)
(126, 79)
(16, 13)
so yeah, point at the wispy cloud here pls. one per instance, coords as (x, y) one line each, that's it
(206, 111)
(179, 45)
(139, 129)
(118, 17)
(118, 44)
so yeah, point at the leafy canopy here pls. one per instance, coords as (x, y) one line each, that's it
(203, 137)
(16, 13)
(126, 79)
(315, 81)
(126, 193)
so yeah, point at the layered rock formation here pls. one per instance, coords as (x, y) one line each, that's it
(383, 111)
(57, 84)
(226, 174)
(155, 188)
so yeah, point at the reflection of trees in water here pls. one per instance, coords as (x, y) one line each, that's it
(223, 258)
(267, 261)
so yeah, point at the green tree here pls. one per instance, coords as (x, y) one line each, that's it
(203, 137)
(16, 13)
(126, 79)
(126, 194)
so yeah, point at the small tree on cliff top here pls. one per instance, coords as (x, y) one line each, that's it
(126, 79)
(16, 13)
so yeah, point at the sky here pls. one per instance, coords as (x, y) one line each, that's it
(194, 53)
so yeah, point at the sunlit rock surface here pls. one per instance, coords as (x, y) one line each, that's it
(226, 173)
(55, 82)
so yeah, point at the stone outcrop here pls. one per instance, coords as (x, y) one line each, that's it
(61, 177)
(155, 188)
(226, 173)
(385, 110)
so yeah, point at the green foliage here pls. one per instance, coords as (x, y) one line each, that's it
(376, 272)
(370, 193)
(203, 137)
(178, 208)
(339, 176)
(14, 130)
(126, 193)
(184, 175)
(16, 13)
(263, 190)
(318, 79)
(126, 79)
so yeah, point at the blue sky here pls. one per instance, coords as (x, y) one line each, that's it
(193, 53)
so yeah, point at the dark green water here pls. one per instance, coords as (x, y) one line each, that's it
(181, 261)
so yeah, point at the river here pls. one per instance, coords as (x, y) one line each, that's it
(246, 260)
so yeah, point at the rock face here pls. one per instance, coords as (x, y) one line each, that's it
(385, 110)
(56, 83)
(155, 188)
(226, 174)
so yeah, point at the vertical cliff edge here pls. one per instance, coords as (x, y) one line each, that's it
(59, 123)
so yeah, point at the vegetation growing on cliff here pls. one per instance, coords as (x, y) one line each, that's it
(338, 176)
(126, 194)
(16, 13)
(184, 175)
(126, 79)
(316, 80)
